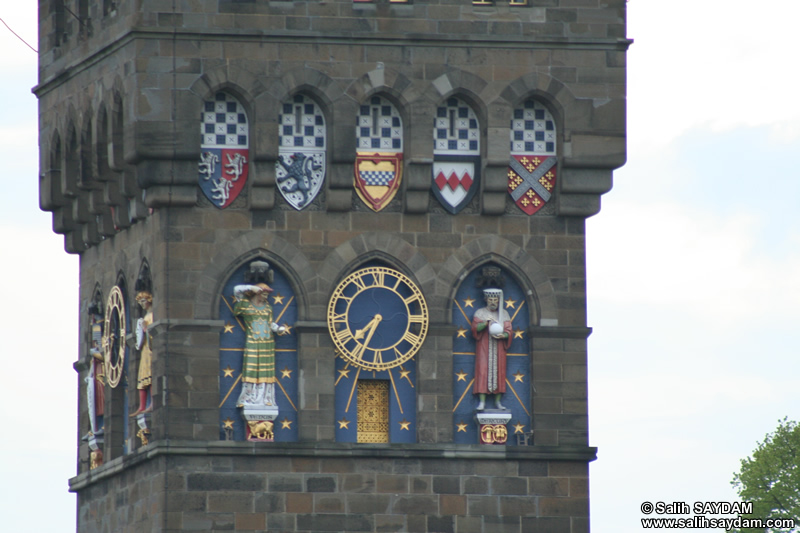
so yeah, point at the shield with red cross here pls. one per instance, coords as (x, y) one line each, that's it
(455, 180)
(531, 180)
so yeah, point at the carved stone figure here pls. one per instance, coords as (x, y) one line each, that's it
(95, 459)
(261, 429)
(258, 365)
(144, 344)
(491, 328)
(96, 380)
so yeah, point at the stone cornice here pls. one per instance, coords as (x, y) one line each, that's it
(297, 37)
(167, 448)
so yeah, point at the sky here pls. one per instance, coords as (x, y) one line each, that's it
(692, 262)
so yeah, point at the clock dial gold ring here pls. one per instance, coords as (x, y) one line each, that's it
(377, 318)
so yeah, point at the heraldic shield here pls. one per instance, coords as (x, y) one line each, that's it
(456, 154)
(300, 169)
(534, 161)
(455, 180)
(224, 155)
(377, 178)
(300, 176)
(531, 180)
(223, 173)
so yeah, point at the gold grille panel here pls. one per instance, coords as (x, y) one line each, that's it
(373, 411)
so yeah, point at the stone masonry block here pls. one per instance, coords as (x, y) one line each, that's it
(286, 483)
(299, 503)
(368, 503)
(482, 505)
(321, 483)
(329, 503)
(270, 503)
(494, 203)
(334, 522)
(230, 502)
(237, 482)
(392, 483)
(250, 521)
(415, 504)
(563, 507)
(447, 484)
(441, 524)
(508, 485)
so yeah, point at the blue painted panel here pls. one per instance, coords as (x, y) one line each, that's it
(284, 310)
(518, 379)
(402, 400)
(402, 379)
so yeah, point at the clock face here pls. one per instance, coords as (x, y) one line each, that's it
(377, 318)
(114, 337)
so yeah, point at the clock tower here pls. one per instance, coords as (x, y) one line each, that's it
(332, 257)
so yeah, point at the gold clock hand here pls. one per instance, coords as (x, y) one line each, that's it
(360, 332)
(372, 326)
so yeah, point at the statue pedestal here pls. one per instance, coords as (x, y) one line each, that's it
(259, 422)
(144, 431)
(492, 426)
(95, 450)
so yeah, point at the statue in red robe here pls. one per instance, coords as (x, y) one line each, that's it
(491, 328)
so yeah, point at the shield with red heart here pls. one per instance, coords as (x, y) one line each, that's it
(377, 177)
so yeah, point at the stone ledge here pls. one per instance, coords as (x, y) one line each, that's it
(560, 332)
(187, 324)
(439, 329)
(469, 452)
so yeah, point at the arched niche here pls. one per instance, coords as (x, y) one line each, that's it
(283, 370)
(375, 396)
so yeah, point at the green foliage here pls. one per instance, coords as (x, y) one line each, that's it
(771, 478)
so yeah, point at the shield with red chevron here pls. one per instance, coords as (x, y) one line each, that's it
(456, 154)
(455, 181)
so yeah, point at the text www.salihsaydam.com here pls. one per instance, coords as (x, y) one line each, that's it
(697, 522)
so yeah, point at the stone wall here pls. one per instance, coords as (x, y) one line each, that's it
(316, 488)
